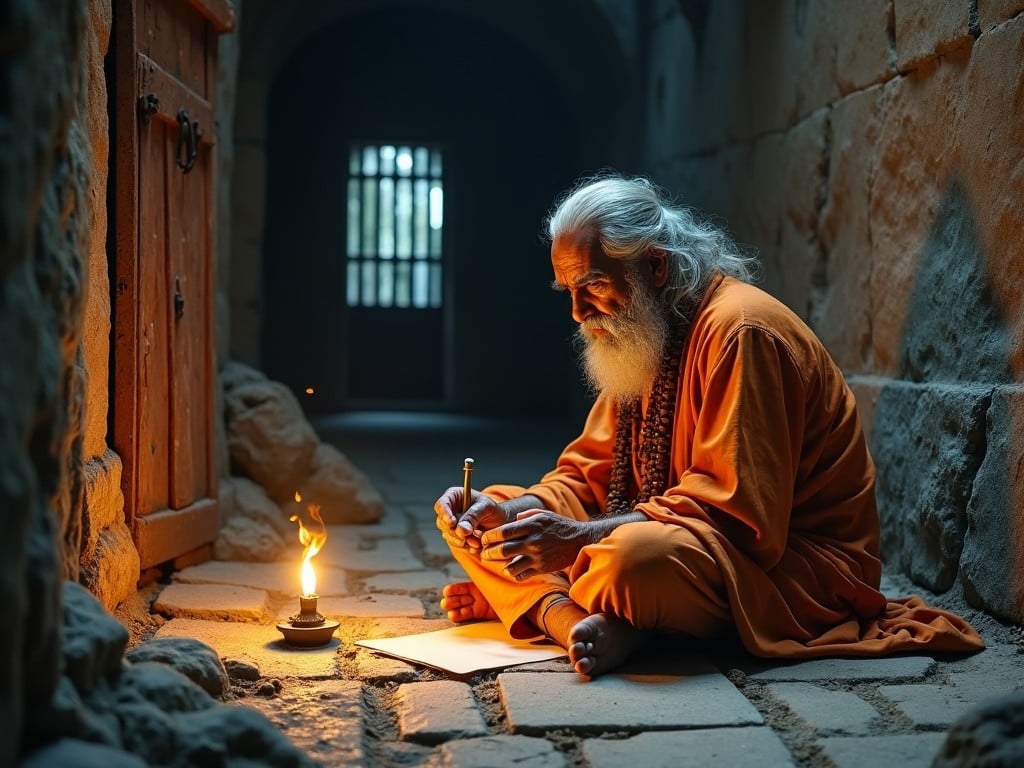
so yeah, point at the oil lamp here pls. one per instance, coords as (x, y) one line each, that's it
(308, 628)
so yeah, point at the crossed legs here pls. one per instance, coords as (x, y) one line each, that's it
(641, 578)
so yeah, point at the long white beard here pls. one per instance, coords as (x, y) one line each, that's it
(624, 362)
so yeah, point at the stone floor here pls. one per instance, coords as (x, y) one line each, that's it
(709, 706)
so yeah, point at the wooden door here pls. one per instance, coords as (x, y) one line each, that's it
(163, 298)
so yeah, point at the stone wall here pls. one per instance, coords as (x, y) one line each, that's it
(45, 226)
(871, 152)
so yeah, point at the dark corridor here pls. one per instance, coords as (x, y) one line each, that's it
(421, 76)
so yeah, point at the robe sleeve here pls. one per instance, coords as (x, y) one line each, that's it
(577, 487)
(748, 407)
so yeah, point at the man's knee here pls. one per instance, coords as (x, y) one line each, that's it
(640, 552)
(654, 575)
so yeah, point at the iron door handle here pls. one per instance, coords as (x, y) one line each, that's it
(188, 141)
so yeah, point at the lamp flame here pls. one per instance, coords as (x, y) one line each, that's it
(312, 541)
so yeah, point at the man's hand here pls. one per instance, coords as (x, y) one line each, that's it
(463, 529)
(537, 541)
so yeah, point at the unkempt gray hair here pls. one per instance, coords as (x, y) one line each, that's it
(632, 215)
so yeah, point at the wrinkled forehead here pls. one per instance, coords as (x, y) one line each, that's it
(577, 257)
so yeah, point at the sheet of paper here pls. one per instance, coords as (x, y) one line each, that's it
(465, 649)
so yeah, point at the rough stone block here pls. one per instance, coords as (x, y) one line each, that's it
(500, 750)
(842, 311)
(992, 564)
(804, 165)
(376, 669)
(908, 750)
(734, 747)
(939, 706)
(993, 12)
(258, 644)
(892, 669)
(334, 736)
(953, 329)
(388, 555)
(991, 171)
(919, 143)
(281, 578)
(371, 606)
(927, 442)
(817, 40)
(925, 28)
(990, 734)
(408, 581)
(536, 702)
(102, 499)
(863, 55)
(438, 711)
(825, 710)
(212, 601)
(868, 391)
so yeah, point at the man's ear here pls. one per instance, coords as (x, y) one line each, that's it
(658, 259)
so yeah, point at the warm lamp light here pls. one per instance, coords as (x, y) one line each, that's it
(308, 628)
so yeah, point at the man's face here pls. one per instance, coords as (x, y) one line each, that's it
(622, 322)
(596, 282)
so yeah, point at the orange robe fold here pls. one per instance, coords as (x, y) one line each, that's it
(769, 524)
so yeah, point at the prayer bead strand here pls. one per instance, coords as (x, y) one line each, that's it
(655, 434)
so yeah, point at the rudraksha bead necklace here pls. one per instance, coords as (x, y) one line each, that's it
(655, 447)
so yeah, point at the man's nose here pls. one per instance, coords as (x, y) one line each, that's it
(581, 308)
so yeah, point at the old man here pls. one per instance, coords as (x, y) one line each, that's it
(721, 484)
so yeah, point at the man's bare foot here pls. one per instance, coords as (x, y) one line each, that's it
(600, 643)
(464, 602)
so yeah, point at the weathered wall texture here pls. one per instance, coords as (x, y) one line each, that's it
(872, 153)
(44, 239)
(107, 558)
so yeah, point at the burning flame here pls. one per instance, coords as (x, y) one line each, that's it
(312, 541)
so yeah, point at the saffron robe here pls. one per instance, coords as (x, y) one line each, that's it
(768, 526)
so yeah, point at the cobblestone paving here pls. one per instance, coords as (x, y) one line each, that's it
(695, 706)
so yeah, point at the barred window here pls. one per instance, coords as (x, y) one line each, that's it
(395, 218)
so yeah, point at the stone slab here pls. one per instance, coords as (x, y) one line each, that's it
(374, 668)
(536, 702)
(905, 750)
(433, 544)
(364, 606)
(437, 711)
(392, 525)
(897, 668)
(387, 555)
(407, 581)
(935, 705)
(750, 747)
(259, 644)
(324, 718)
(499, 752)
(824, 710)
(282, 577)
(228, 602)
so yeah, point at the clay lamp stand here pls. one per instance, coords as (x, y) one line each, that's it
(307, 628)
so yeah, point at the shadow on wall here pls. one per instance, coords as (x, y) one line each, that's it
(942, 436)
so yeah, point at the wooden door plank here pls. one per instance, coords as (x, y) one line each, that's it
(124, 404)
(164, 535)
(155, 139)
(173, 34)
(185, 193)
(174, 95)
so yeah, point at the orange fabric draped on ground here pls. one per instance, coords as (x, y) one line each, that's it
(769, 524)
